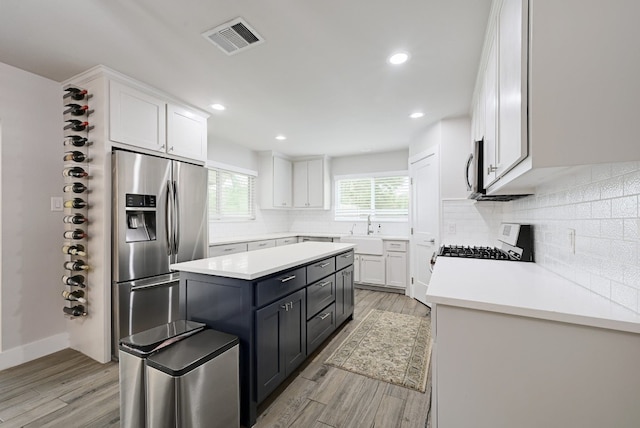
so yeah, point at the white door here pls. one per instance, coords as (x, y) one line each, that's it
(425, 220)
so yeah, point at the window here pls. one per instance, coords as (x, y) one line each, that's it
(382, 196)
(231, 195)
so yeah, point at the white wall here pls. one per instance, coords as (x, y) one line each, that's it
(32, 323)
(600, 202)
(232, 154)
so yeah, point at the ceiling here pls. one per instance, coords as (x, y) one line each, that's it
(321, 78)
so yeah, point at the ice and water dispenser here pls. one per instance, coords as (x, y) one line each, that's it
(141, 217)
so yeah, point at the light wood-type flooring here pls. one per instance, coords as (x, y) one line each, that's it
(67, 389)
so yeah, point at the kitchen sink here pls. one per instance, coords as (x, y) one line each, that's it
(365, 244)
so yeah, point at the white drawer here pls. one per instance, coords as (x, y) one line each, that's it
(400, 246)
(261, 245)
(224, 250)
(286, 241)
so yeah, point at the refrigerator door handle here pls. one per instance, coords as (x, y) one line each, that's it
(168, 213)
(176, 223)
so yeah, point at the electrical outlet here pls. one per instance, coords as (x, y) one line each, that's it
(571, 240)
(451, 228)
(56, 203)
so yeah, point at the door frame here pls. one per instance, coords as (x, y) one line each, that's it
(431, 151)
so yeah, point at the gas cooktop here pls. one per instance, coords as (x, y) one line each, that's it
(473, 252)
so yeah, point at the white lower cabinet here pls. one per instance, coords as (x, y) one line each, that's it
(372, 269)
(356, 268)
(396, 269)
(261, 245)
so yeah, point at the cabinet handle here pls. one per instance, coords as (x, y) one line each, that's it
(162, 147)
(346, 256)
(171, 148)
(289, 278)
(228, 249)
(285, 307)
(323, 265)
(324, 316)
(262, 245)
(324, 284)
(491, 169)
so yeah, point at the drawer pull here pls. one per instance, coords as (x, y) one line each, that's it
(324, 316)
(289, 278)
(323, 265)
(324, 284)
(262, 245)
(228, 249)
(346, 256)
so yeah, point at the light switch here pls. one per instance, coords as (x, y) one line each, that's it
(56, 203)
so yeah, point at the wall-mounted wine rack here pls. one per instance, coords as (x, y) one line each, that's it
(76, 116)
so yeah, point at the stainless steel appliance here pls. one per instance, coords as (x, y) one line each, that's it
(159, 218)
(515, 242)
(474, 177)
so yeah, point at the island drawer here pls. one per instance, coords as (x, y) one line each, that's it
(321, 269)
(343, 260)
(284, 283)
(226, 249)
(320, 327)
(321, 294)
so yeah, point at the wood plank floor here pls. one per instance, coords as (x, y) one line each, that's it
(67, 389)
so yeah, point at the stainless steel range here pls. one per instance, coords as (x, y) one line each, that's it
(515, 242)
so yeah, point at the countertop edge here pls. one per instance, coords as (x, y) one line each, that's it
(269, 236)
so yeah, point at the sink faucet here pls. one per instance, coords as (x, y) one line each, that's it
(369, 229)
(352, 227)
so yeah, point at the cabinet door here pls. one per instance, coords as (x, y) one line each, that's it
(356, 268)
(344, 294)
(490, 113)
(186, 133)
(281, 182)
(396, 269)
(136, 118)
(300, 188)
(270, 368)
(295, 331)
(315, 183)
(512, 93)
(372, 270)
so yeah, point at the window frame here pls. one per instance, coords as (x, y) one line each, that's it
(371, 176)
(218, 216)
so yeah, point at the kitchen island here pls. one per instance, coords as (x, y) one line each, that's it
(517, 345)
(281, 302)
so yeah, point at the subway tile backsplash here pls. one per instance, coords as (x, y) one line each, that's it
(600, 202)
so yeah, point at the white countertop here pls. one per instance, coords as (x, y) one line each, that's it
(252, 238)
(524, 289)
(258, 263)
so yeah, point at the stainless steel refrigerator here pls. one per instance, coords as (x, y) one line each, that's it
(159, 218)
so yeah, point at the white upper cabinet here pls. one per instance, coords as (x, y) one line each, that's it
(274, 181)
(566, 86)
(140, 119)
(311, 184)
(186, 133)
(136, 118)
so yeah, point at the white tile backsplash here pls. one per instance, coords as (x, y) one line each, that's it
(600, 202)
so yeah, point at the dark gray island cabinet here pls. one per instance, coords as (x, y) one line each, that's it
(281, 302)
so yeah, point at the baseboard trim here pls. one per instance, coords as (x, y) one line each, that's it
(25, 353)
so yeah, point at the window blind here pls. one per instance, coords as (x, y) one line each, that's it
(231, 195)
(384, 198)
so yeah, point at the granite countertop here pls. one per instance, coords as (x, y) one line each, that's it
(255, 264)
(524, 289)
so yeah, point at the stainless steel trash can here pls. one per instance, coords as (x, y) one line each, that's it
(195, 383)
(133, 351)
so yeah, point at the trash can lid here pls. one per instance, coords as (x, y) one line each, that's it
(192, 352)
(145, 342)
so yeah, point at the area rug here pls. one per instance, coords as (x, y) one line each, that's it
(390, 347)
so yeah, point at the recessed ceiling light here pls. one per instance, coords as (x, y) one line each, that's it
(398, 58)
(218, 107)
(416, 115)
(281, 137)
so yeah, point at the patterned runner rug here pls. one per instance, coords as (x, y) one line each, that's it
(388, 346)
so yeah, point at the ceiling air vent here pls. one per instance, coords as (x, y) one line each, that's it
(233, 36)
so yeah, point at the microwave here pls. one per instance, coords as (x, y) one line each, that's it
(474, 177)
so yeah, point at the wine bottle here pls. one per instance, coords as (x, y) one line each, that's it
(76, 265)
(76, 125)
(76, 218)
(75, 93)
(74, 188)
(74, 296)
(77, 110)
(76, 141)
(75, 311)
(75, 156)
(75, 234)
(74, 250)
(75, 171)
(75, 203)
(74, 281)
